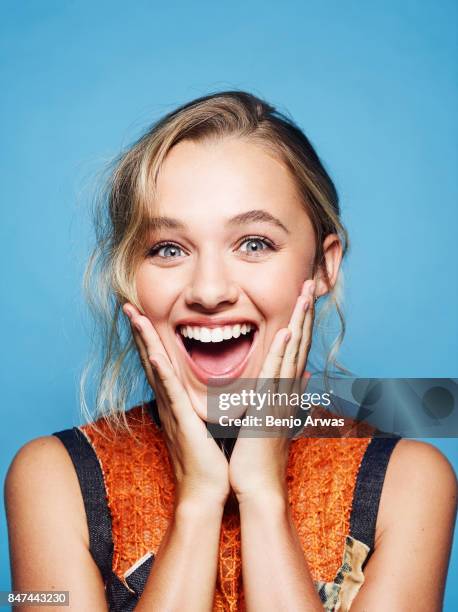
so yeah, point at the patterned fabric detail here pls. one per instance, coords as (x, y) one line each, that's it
(139, 484)
(138, 476)
(321, 478)
(338, 595)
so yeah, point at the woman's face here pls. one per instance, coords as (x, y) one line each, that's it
(231, 249)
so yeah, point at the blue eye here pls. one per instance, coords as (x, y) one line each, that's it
(255, 245)
(167, 250)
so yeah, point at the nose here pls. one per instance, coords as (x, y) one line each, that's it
(211, 285)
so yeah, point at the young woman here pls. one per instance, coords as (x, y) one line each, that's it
(222, 228)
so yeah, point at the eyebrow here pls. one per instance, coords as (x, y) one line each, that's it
(157, 223)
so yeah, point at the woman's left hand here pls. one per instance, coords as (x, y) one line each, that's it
(258, 464)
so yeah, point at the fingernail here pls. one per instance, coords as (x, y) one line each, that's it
(128, 313)
(287, 336)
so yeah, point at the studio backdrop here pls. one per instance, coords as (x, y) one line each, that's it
(374, 86)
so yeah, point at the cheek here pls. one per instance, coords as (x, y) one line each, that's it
(155, 297)
(275, 291)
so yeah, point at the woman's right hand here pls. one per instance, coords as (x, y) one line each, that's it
(200, 467)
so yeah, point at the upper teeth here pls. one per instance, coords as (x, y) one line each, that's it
(215, 334)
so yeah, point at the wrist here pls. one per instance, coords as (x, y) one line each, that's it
(257, 501)
(200, 494)
(192, 519)
(197, 506)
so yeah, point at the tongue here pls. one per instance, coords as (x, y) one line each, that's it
(220, 357)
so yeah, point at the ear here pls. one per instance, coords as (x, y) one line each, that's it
(332, 258)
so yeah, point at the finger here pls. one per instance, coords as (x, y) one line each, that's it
(266, 382)
(271, 367)
(150, 371)
(306, 340)
(175, 395)
(151, 374)
(289, 365)
(149, 335)
(143, 353)
(174, 404)
(272, 363)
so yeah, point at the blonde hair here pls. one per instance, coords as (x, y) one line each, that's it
(122, 218)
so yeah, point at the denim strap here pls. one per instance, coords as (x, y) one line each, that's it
(90, 477)
(368, 489)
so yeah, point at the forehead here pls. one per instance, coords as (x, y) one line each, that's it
(219, 179)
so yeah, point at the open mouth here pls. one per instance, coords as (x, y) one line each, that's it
(219, 352)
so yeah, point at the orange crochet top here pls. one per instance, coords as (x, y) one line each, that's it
(321, 479)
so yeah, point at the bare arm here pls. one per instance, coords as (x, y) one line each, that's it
(49, 540)
(48, 535)
(184, 571)
(274, 567)
(48, 532)
(275, 571)
(183, 576)
(408, 568)
(414, 528)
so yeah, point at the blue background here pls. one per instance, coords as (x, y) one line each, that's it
(375, 89)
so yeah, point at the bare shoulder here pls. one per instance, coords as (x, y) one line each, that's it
(39, 451)
(414, 454)
(419, 480)
(42, 474)
(44, 457)
(414, 532)
(47, 526)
